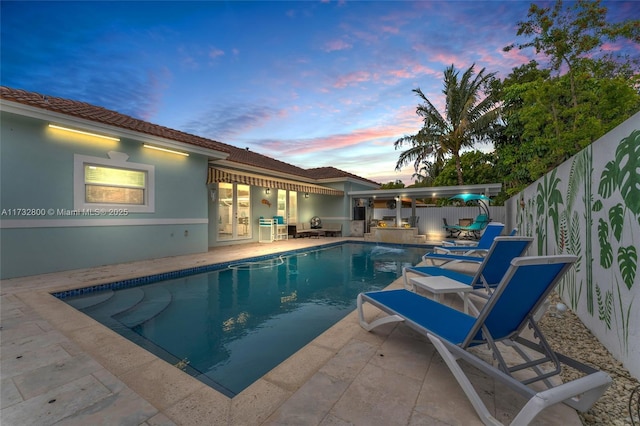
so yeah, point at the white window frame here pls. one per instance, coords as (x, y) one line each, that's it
(117, 161)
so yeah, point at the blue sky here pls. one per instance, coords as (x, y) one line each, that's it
(311, 83)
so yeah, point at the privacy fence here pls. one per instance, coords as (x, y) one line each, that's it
(590, 207)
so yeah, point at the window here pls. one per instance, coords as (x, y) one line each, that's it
(108, 185)
(288, 205)
(282, 203)
(113, 182)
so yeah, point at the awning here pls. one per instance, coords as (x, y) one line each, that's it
(234, 176)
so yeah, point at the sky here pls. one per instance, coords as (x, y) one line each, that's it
(311, 83)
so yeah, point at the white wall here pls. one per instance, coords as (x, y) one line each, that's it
(590, 206)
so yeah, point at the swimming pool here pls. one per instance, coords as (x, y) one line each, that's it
(232, 324)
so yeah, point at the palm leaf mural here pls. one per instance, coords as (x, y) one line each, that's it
(541, 233)
(576, 176)
(620, 176)
(597, 206)
(606, 251)
(605, 306)
(575, 246)
(628, 261)
(563, 233)
(582, 174)
(561, 245)
(628, 177)
(608, 180)
(616, 218)
(625, 315)
(548, 200)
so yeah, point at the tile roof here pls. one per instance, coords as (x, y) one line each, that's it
(105, 116)
(252, 158)
(332, 172)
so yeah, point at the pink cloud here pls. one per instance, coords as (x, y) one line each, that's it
(334, 45)
(409, 70)
(352, 79)
(611, 47)
(383, 135)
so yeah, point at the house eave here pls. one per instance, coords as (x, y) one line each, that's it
(76, 122)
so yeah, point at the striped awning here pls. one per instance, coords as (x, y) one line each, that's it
(234, 176)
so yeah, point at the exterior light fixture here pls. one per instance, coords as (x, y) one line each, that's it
(306, 195)
(82, 132)
(165, 149)
(267, 191)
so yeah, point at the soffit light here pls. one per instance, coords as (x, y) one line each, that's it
(165, 149)
(82, 132)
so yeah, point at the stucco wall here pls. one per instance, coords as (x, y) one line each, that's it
(37, 167)
(590, 207)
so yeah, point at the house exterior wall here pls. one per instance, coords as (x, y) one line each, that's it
(590, 207)
(37, 172)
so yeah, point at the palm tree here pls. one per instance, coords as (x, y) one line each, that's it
(469, 118)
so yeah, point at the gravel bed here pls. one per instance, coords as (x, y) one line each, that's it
(567, 334)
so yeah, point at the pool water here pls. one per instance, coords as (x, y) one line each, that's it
(231, 326)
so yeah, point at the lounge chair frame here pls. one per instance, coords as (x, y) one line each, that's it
(579, 394)
(491, 231)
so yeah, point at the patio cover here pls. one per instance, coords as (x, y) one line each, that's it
(236, 176)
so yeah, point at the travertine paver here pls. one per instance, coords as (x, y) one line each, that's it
(58, 365)
(57, 403)
(367, 401)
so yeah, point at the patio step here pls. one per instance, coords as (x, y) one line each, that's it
(155, 300)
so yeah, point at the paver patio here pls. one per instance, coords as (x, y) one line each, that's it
(58, 366)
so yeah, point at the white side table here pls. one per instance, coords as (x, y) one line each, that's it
(440, 285)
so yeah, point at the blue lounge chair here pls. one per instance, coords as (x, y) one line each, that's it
(508, 311)
(491, 270)
(491, 231)
(473, 231)
(453, 230)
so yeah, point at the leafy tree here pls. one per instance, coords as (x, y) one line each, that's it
(427, 174)
(479, 167)
(392, 185)
(470, 113)
(551, 114)
(570, 36)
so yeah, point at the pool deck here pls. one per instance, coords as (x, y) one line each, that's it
(58, 366)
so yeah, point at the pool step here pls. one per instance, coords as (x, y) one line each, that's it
(90, 299)
(155, 300)
(121, 301)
